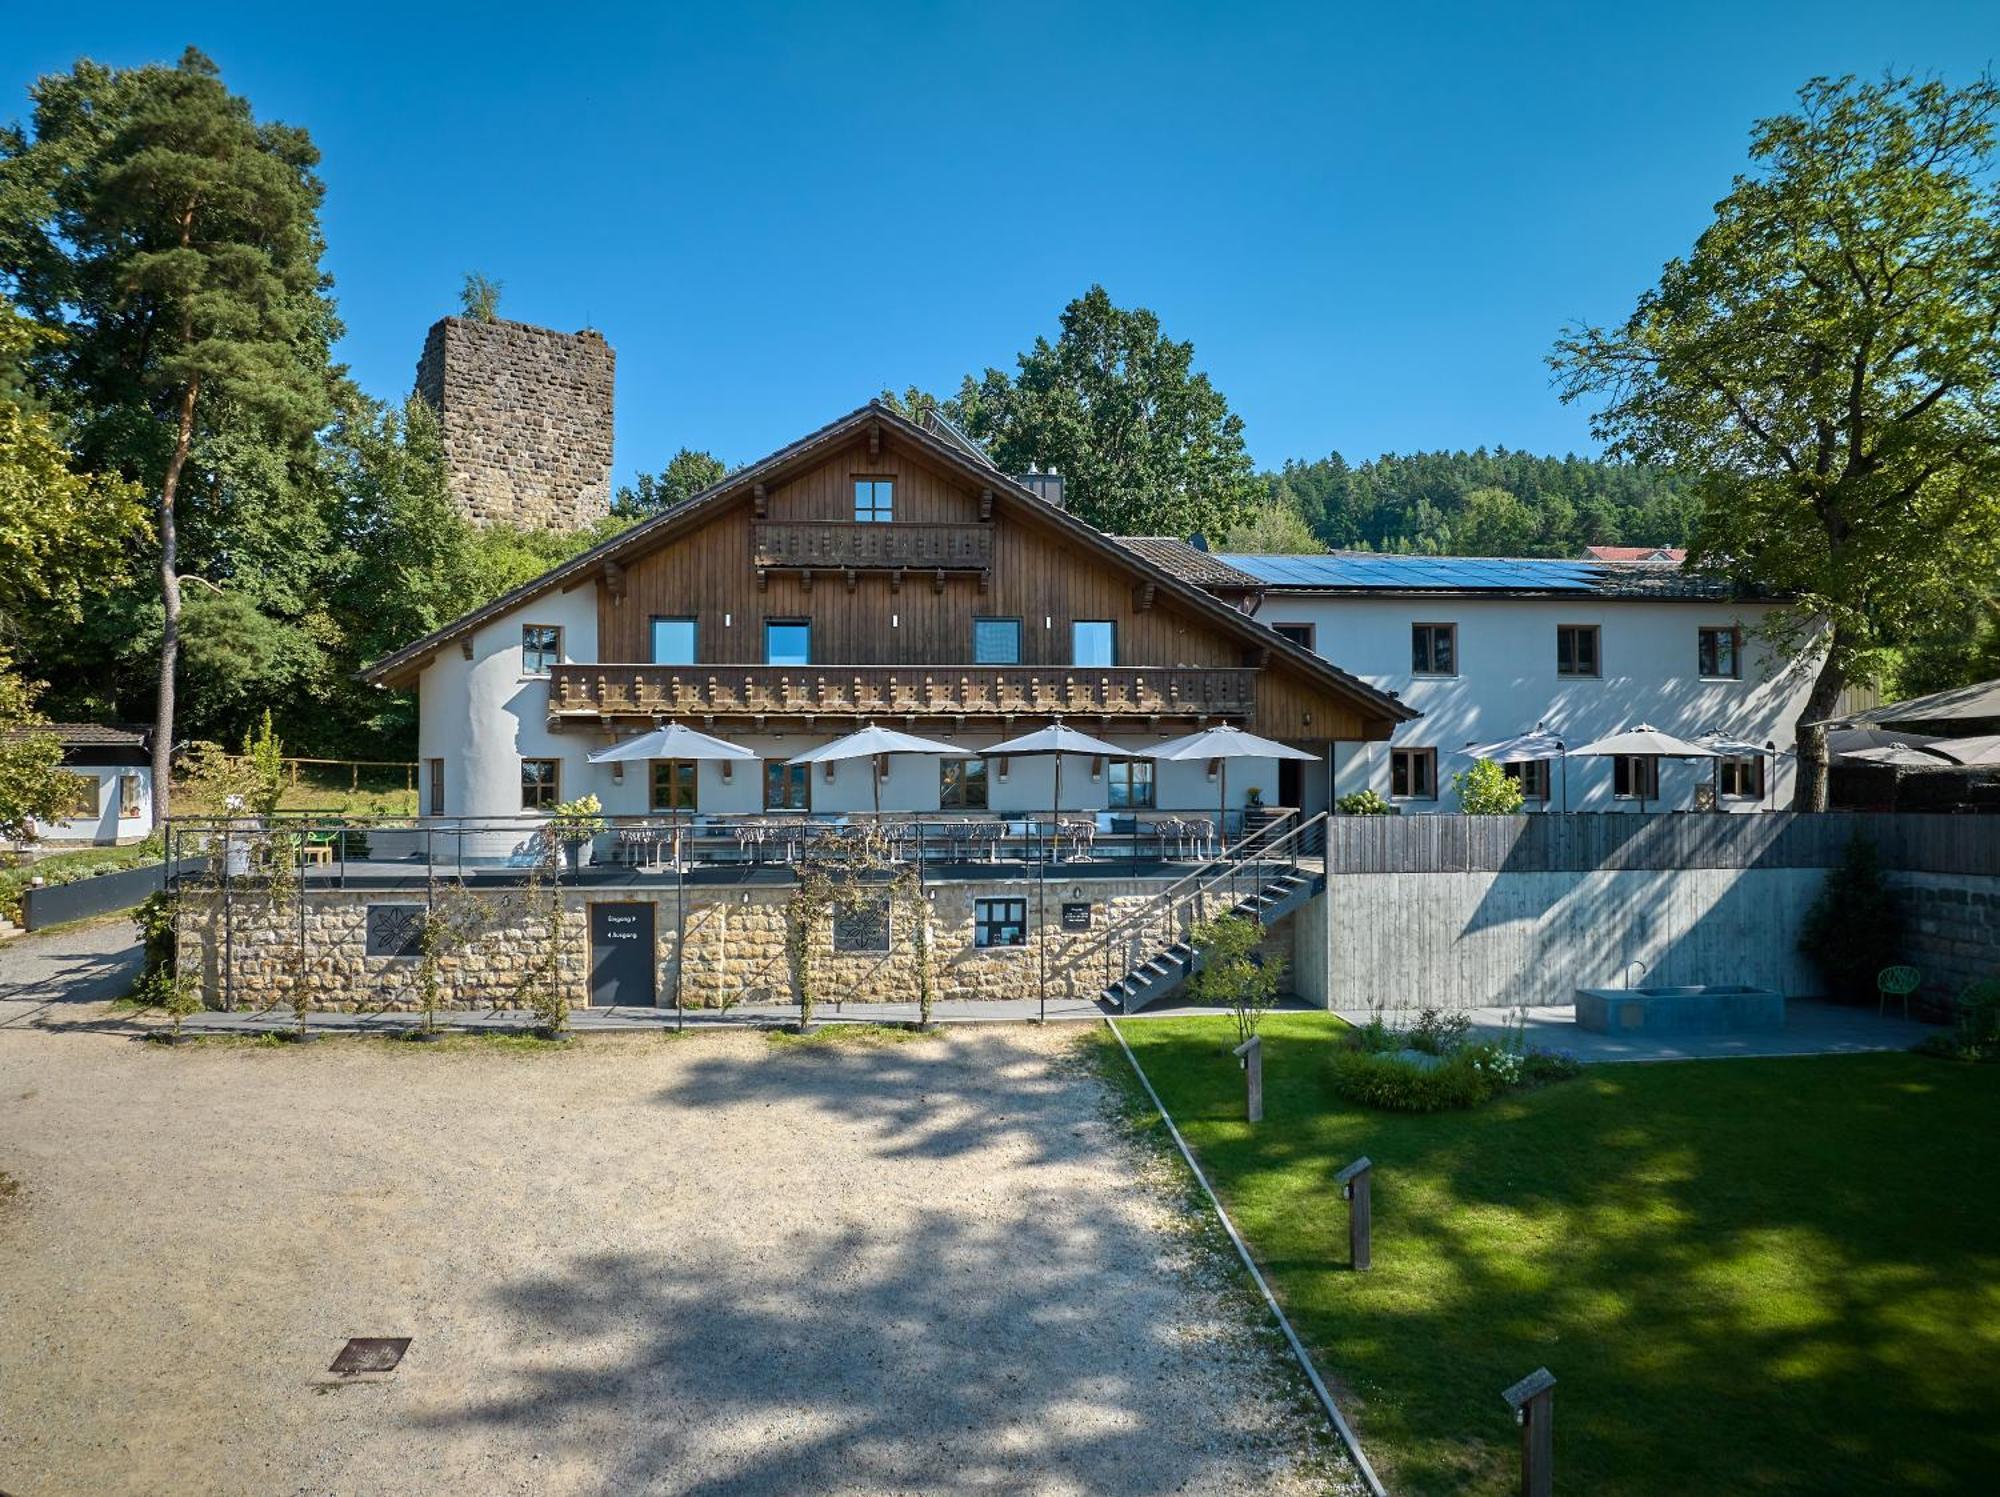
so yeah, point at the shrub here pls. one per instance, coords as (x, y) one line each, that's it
(155, 921)
(1394, 1085)
(1539, 1067)
(1975, 1034)
(1363, 803)
(1485, 790)
(1438, 1032)
(1233, 975)
(1855, 927)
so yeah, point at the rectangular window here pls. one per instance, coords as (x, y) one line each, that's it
(1576, 650)
(1741, 777)
(1094, 641)
(1719, 654)
(131, 799)
(874, 500)
(675, 784)
(673, 641)
(996, 641)
(787, 787)
(541, 783)
(865, 927)
(84, 797)
(1413, 773)
(1434, 649)
(1298, 634)
(436, 767)
(395, 930)
(962, 784)
(541, 648)
(1532, 776)
(1635, 777)
(1131, 783)
(999, 922)
(788, 641)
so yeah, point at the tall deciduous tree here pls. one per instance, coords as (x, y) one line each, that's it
(1146, 445)
(686, 474)
(1827, 362)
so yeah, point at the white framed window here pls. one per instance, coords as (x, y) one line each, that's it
(541, 648)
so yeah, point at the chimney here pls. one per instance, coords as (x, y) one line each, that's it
(526, 416)
(1047, 487)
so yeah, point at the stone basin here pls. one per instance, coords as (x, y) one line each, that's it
(1716, 1008)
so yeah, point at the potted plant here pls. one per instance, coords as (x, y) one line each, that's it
(573, 823)
(1254, 796)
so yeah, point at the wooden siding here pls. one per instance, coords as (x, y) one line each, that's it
(883, 618)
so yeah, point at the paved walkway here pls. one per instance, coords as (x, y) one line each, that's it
(47, 978)
(1811, 1028)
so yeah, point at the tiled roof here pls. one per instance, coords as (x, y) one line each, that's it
(1378, 572)
(1187, 562)
(84, 735)
(1634, 553)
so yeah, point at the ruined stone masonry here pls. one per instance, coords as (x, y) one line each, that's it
(526, 414)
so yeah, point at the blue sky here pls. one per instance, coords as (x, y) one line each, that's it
(1371, 220)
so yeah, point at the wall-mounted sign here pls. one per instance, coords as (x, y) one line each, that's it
(1076, 916)
(395, 930)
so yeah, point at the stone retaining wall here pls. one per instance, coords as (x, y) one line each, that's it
(1954, 931)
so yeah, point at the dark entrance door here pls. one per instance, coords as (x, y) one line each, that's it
(621, 956)
(1291, 783)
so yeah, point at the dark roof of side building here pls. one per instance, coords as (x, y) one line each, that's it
(1188, 562)
(84, 735)
(1369, 572)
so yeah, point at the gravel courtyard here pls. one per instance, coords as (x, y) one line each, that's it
(713, 1265)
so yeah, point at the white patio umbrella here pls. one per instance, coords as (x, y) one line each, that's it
(1054, 741)
(1901, 756)
(1225, 743)
(872, 742)
(1984, 749)
(673, 741)
(1526, 748)
(1647, 742)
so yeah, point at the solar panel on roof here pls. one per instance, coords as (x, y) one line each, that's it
(1429, 573)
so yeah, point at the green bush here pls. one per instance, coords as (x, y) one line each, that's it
(155, 921)
(1363, 803)
(1439, 1031)
(1975, 1033)
(1378, 1080)
(1855, 927)
(1485, 790)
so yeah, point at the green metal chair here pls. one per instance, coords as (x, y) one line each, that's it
(1896, 982)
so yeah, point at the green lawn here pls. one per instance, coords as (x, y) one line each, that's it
(1747, 1276)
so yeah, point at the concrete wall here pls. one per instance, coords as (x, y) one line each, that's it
(526, 415)
(1469, 940)
(1507, 683)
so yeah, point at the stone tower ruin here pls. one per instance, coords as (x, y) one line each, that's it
(526, 418)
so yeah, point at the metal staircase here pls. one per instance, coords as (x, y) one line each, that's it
(1265, 878)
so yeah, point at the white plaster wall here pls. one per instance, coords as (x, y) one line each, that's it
(1507, 683)
(107, 826)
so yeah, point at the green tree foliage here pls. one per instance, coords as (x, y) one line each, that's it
(687, 473)
(1484, 503)
(1234, 974)
(175, 241)
(1827, 360)
(32, 784)
(1855, 927)
(264, 758)
(1961, 647)
(479, 298)
(1485, 790)
(1146, 445)
(63, 534)
(1274, 528)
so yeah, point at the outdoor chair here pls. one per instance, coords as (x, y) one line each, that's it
(1896, 982)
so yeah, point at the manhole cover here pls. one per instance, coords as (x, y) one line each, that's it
(370, 1354)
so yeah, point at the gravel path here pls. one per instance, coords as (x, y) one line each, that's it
(714, 1265)
(51, 977)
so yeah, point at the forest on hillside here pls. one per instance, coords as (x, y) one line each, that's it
(1480, 503)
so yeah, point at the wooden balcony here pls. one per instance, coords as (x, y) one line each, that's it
(891, 546)
(919, 691)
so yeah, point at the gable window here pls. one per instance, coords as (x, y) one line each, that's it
(436, 768)
(1532, 775)
(1130, 783)
(865, 927)
(1576, 650)
(1635, 777)
(874, 500)
(1095, 642)
(84, 796)
(1434, 649)
(999, 922)
(541, 648)
(996, 641)
(673, 641)
(788, 641)
(962, 784)
(787, 787)
(1741, 776)
(1298, 634)
(541, 783)
(1719, 654)
(675, 784)
(1413, 773)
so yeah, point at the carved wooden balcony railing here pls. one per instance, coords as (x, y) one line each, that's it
(937, 691)
(836, 545)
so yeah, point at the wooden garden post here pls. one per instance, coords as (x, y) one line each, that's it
(1533, 1400)
(1251, 1054)
(1354, 1183)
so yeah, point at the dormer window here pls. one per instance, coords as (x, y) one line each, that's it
(874, 501)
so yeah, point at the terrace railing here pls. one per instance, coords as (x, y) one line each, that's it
(1138, 692)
